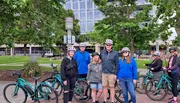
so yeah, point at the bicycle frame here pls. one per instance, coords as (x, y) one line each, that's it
(149, 75)
(165, 78)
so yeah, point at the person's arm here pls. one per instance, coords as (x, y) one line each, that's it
(158, 66)
(63, 67)
(89, 58)
(89, 72)
(116, 63)
(76, 69)
(176, 64)
(134, 69)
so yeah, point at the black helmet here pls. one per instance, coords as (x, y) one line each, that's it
(94, 54)
(172, 48)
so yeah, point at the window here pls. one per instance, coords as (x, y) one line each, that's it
(68, 5)
(82, 4)
(89, 4)
(82, 15)
(83, 26)
(90, 26)
(98, 15)
(90, 15)
(76, 15)
(75, 5)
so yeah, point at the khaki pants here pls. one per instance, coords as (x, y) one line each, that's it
(108, 80)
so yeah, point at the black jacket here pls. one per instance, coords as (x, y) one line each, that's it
(69, 68)
(156, 64)
(175, 64)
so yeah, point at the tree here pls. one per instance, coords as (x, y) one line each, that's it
(40, 22)
(123, 29)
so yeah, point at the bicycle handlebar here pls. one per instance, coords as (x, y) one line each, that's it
(18, 73)
(54, 68)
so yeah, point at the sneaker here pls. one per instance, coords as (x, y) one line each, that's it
(97, 101)
(104, 102)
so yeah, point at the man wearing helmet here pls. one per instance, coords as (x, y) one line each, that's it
(156, 65)
(83, 59)
(109, 69)
(69, 74)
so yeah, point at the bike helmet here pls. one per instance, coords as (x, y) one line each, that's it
(82, 45)
(125, 49)
(108, 41)
(71, 49)
(156, 53)
(94, 54)
(172, 48)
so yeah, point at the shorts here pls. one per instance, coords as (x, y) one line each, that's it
(108, 80)
(97, 86)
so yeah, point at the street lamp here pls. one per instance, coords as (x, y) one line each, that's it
(157, 43)
(69, 27)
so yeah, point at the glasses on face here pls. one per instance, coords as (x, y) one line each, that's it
(172, 51)
(108, 45)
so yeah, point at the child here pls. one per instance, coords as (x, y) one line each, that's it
(94, 77)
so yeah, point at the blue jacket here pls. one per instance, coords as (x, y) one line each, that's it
(82, 59)
(109, 61)
(127, 71)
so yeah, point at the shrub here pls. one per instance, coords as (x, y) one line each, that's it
(31, 69)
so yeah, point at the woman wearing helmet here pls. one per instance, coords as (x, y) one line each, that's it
(156, 66)
(127, 74)
(94, 77)
(173, 70)
(69, 74)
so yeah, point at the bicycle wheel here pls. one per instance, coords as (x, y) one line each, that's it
(82, 91)
(156, 94)
(46, 94)
(119, 94)
(55, 84)
(140, 85)
(14, 94)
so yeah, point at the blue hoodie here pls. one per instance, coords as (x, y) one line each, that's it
(127, 71)
(82, 59)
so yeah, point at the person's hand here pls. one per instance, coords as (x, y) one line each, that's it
(164, 68)
(114, 77)
(169, 70)
(65, 82)
(152, 68)
(88, 66)
(134, 81)
(88, 82)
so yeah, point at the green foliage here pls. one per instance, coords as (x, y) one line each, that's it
(31, 69)
(121, 28)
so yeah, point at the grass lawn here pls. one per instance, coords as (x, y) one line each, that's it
(23, 59)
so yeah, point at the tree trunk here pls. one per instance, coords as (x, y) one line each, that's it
(132, 47)
(25, 45)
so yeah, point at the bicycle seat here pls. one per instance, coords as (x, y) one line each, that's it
(36, 78)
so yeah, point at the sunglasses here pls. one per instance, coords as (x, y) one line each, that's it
(108, 45)
(172, 51)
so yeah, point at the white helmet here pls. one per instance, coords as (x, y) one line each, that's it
(109, 41)
(125, 49)
(71, 49)
(82, 45)
(156, 53)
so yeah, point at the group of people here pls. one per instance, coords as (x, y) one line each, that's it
(102, 72)
(104, 69)
(156, 66)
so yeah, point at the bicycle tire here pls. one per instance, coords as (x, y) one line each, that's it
(151, 87)
(81, 94)
(5, 91)
(119, 94)
(140, 87)
(43, 93)
(57, 86)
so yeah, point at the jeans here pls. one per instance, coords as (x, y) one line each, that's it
(128, 86)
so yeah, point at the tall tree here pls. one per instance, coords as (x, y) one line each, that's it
(123, 28)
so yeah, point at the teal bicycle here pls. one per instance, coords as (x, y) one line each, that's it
(157, 90)
(142, 81)
(19, 91)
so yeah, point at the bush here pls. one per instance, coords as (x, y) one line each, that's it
(32, 69)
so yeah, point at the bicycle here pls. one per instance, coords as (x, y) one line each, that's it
(22, 89)
(157, 90)
(55, 80)
(142, 81)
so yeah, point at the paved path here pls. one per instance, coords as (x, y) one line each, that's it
(141, 98)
